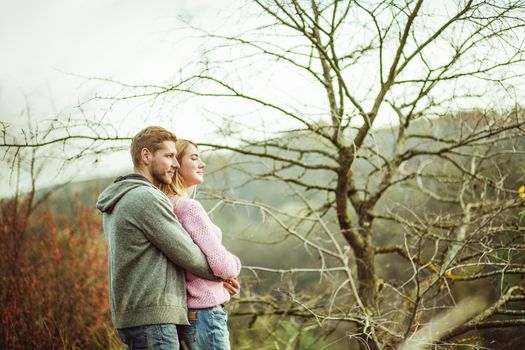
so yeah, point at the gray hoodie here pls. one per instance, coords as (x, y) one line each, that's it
(148, 253)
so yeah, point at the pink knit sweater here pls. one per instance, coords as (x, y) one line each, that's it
(203, 293)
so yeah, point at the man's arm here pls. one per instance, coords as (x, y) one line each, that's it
(154, 216)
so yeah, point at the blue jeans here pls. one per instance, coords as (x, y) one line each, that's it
(208, 329)
(150, 337)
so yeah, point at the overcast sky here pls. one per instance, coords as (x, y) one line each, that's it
(45, 44)
(40, 41)
(48, 49)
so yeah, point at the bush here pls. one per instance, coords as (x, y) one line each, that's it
(53, 279)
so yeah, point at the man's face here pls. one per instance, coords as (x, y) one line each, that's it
(163, 164)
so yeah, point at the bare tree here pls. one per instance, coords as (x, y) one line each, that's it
(435, 190)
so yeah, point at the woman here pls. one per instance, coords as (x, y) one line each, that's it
(208, 328)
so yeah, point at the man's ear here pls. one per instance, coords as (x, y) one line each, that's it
(145, 155)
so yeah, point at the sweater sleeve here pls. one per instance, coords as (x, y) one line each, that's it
(197, 223)
(154, 215)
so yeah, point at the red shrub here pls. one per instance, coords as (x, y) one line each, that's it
(53, 274)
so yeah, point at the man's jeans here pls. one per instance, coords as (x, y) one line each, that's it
(150, 337)
(208, 329)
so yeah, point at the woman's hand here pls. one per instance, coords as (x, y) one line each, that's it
(232, 286)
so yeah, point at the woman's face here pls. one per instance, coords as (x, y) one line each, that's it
(191, 167)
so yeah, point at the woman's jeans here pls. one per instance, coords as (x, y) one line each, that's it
(150, 337)
(208, 329)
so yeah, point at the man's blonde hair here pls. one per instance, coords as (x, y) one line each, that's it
(176, 187)
(151, 138)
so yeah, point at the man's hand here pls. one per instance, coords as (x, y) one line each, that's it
(232, 286)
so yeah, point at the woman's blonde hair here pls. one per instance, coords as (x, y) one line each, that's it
(176, 187)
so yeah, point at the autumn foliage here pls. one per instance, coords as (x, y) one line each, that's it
(53, 270)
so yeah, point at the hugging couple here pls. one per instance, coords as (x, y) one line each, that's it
(169, 274)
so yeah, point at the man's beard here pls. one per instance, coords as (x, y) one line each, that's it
(162, 177)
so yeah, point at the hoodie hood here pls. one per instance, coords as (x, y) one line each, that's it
(109, 198)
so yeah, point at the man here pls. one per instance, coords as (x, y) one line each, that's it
(148, 248)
